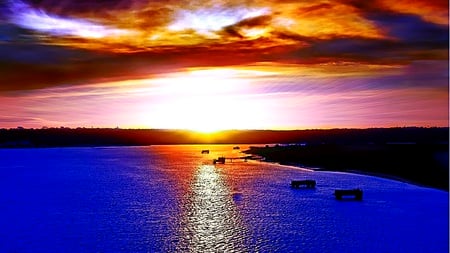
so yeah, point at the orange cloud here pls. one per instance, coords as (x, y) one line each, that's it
(140, 26)
(135, 39)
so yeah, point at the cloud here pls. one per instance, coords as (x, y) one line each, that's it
(241, 29)
(76, 42)
(148, 19)
(314, 8)
(69, 7)
(410, 39)
(25, 16)
(412, 29)
(431, 11)
(48, 65)
(213, 19)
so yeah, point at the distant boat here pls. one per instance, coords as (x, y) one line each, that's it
(205, 151)
(219, 160)
(236, 147)
(303, 183)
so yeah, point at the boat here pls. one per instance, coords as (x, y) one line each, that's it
(236, 147)
(303, 183)
(219, 160)
(205, 151)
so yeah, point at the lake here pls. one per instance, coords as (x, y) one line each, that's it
(174, 199)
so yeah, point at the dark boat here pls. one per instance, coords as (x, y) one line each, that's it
(205, 151)
(219, 160)
(303, 184)
(236, 147)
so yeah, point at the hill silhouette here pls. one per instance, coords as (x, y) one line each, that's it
(68, 137)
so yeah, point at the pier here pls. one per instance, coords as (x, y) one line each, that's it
(356, 193)
(223, 159)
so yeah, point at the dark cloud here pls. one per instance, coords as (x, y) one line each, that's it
(150, 18)
(409, 38)
(80, 6)
(412, 29)
(254, 22)
(25, 64)
(379, 51)
(300, 39)
(304, 11)
(363, 6)
(47, 65)
(348, 48)
(9, 33)
(381, 6)
(23, 52)
(234, 30)
(5, 12)
(231, 31)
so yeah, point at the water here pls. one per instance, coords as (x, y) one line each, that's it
(173, 199)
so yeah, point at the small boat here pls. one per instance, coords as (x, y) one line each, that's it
(205, 151)
(236, 147)
(219, 160)
(303, 183)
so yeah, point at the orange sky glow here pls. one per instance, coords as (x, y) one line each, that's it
(212, 65)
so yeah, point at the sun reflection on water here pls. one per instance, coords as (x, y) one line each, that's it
(211, 222)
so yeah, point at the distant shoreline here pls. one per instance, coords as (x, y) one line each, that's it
(404, 164)
(95, 137)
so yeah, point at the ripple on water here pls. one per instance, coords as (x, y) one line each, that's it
(172, 199)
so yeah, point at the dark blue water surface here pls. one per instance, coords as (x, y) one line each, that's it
(173, 199)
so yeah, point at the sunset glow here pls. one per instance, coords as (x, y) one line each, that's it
(224, 65)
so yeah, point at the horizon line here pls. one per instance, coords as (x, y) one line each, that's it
(221, 130)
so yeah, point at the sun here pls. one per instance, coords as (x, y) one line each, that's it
(204, 100)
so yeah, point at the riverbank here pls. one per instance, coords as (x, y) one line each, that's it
(425, 165)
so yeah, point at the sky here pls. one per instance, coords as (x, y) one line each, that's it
(214, 65)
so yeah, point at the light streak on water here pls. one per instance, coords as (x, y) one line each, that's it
(211, 222)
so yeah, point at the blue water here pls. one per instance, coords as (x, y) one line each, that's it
(173, 199)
